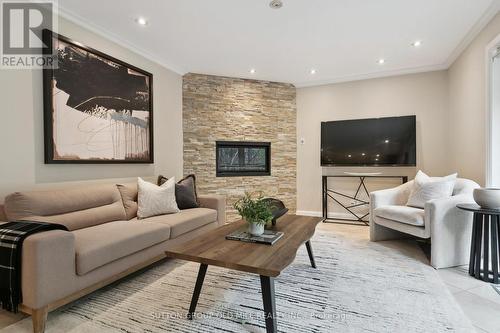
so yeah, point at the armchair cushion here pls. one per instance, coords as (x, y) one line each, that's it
(403, 214)
(426, 188)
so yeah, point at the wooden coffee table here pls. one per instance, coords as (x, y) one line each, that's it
(268, 261)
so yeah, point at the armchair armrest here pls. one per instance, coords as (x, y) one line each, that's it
(439, 209)
(217, 202)
(393, 196)
(48, 259)
(450, 230)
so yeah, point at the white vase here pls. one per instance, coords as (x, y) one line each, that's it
(256, 229)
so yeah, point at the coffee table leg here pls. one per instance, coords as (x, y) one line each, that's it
(267, 286)
(197, 290)
(310, 253)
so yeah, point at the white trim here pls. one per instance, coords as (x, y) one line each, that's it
(77, 19)
(474, 32)
(331, 215)
(309, 213)
(490, 50)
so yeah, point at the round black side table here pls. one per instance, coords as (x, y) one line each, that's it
(485, 237)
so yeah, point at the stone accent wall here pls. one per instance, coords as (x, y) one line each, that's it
(229, 109)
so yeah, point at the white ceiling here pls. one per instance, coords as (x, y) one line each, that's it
(341, 39)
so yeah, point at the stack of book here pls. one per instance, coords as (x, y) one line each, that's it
(269, 237)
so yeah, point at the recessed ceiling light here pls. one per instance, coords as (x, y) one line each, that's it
(386, 141)
(141, 21)
(416, 43)
(363, 154)
(276, 4)
(252, 71)
(313, 71)
(381, 61)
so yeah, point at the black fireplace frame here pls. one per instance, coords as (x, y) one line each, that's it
(242, 144)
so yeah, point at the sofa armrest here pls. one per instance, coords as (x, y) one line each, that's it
(217, 202)
(48, 259)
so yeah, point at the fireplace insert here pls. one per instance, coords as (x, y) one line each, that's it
(243, 158)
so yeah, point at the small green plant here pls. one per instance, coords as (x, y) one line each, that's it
(254, 210)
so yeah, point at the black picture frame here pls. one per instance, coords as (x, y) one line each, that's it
(48, 92)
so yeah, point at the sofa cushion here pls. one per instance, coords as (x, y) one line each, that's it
(403, 214)
(102, 244)
(128, 192)
(184, 221)
(75, 208)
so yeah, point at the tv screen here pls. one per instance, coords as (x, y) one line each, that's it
(369, 142)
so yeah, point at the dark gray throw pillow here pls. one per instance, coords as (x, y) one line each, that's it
(185, 191)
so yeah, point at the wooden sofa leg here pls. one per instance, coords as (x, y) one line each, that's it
(39, 317)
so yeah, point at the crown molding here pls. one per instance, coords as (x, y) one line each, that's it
(476, 29)
(98, 30)
(372, 75)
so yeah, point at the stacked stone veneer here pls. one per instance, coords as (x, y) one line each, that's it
(229, 109)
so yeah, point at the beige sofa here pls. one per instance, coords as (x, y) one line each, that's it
(102, 244)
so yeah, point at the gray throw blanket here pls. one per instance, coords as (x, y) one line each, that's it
(12, 236)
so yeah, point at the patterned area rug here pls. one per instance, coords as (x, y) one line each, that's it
(359, 286)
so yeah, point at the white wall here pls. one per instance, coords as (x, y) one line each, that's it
(424, 95)
(467, 92)
(21, 124)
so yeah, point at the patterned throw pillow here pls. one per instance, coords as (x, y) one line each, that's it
(427, 188)
(185, 191)
(156, 200)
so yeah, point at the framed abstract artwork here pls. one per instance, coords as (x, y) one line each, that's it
(97, 109)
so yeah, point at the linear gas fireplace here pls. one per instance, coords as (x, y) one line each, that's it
(243, 158)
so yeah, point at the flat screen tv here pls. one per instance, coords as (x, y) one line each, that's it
(369, 142)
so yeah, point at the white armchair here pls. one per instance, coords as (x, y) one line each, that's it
(448, 227)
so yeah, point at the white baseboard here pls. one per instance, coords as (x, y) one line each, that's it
(331, 215)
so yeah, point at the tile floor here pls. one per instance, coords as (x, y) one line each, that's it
(479, 300)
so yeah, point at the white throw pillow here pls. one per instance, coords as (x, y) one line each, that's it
(427, 188)
(155, 200)
(422, 177)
